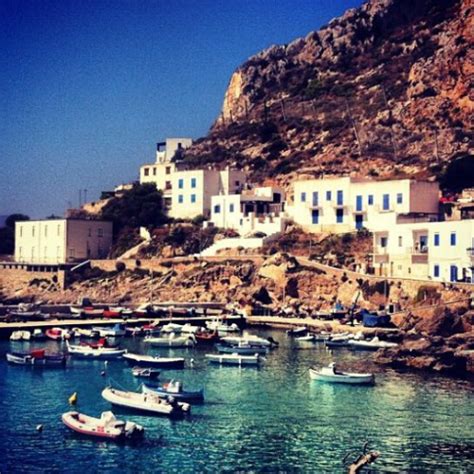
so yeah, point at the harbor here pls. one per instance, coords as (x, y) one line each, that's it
(273, 417)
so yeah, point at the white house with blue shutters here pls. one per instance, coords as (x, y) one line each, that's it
(338, 205)
(260, 209)
(441, 251)
(192, 190)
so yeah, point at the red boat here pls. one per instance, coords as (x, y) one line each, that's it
(207, 337)
(57, 333)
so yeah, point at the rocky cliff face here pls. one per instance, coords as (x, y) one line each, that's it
(386, 89)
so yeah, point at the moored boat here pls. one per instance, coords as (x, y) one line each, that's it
(105, 427)
(299, 331)
(57, 334)
(206, 337)
(117, 330)
(249, 339)
(175, 389)
(145, 402)
(38, 335)
(20, 336)
(86, 311)
(171, 341)
(151, 361)
(372, 345)
(243, 349)
(222, 327)
(234, 359)
(145, 372)
(88, 352)
(332, 375)
(37, 358)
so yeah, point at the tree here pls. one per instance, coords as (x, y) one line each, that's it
(141, 206)
(7, 233)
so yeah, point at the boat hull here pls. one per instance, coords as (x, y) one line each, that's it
(342, 378)
(159, 362)
(239, 361)
(243, 350)
(185, 396)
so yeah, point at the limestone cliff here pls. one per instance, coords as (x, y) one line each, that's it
(386, 89)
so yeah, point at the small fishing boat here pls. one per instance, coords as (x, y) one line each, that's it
(145, 402)
(206, 337)
(37, 358)
(86, 333)
(171, 340)
(86, 311)
(20, 336)
(117, 312)
(307, 338)
(117, 330)
(151, 361)
(175, 389)
(171, 328)
(372, 345)
(87, 352)
(135, 331)
(234, 359)
(332, 375)
(222, 327)
(243, 349)
(249, 339)
(145, 372)
(57, 334)
(300, 331)
(106, 427)
(321, 336)
(38, 335)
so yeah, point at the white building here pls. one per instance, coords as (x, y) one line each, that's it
(61, 240)
(441, 251)
(345, 204)
(161, 172)
(191, 190)
(256, 210)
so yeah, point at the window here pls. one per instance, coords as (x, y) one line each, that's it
(453, 239)
(168, 170)
(217, 209)
(193, 198)
(400, 240)
(436, 240)
(193, 182)
(154, 171)
(231, 207)
(386, 202)
(100, 232)
(340, 198)
(370, 200)
(399, 198)
(383, 242)
(237, 183)
(328, 195)
(436, 271)
(180, 199)
(168, 185)
(303, 197)
(359, 203)
(146, 171)
(180, 183)
(315, 216)
(339, 216)
(315, 198)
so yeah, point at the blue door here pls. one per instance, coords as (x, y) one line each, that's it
(315, 216)
(359, 221)
(453, 272)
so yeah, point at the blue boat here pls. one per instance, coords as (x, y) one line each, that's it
(375, 320)
(174, 389)
(241, 349)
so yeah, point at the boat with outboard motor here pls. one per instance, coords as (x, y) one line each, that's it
(105, 427)
(299, 331)
(171, 340)
(251, 340)
(20, 336)
(371, 345)
(146, 373)
(332, 375)
(117, 330)
(234, 359)
(36, 358)
(243, 349)
(100, 352)
(146, 402)
(175, 389)
(151, 361)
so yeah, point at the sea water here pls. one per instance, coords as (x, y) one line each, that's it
(271, 419)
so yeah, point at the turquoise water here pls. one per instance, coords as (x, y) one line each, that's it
(261, 420)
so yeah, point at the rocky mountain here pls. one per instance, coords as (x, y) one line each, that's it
(384, 90)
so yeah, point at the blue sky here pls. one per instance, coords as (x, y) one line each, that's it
(88, 87)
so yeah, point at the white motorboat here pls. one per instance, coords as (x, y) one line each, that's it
(221, 326)
(20, 336)
(151, 361)
(171, 340)
(89, 352)
(86, 333)
(118, 330)
(247, 339)
(372, 345)
(332, 375)
(299, 331)
(234, 359)
(171, 328)
(146, 402)
(107, 426)
(307, 338)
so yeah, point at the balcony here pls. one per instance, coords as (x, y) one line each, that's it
(380, 258)
(419, 254)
